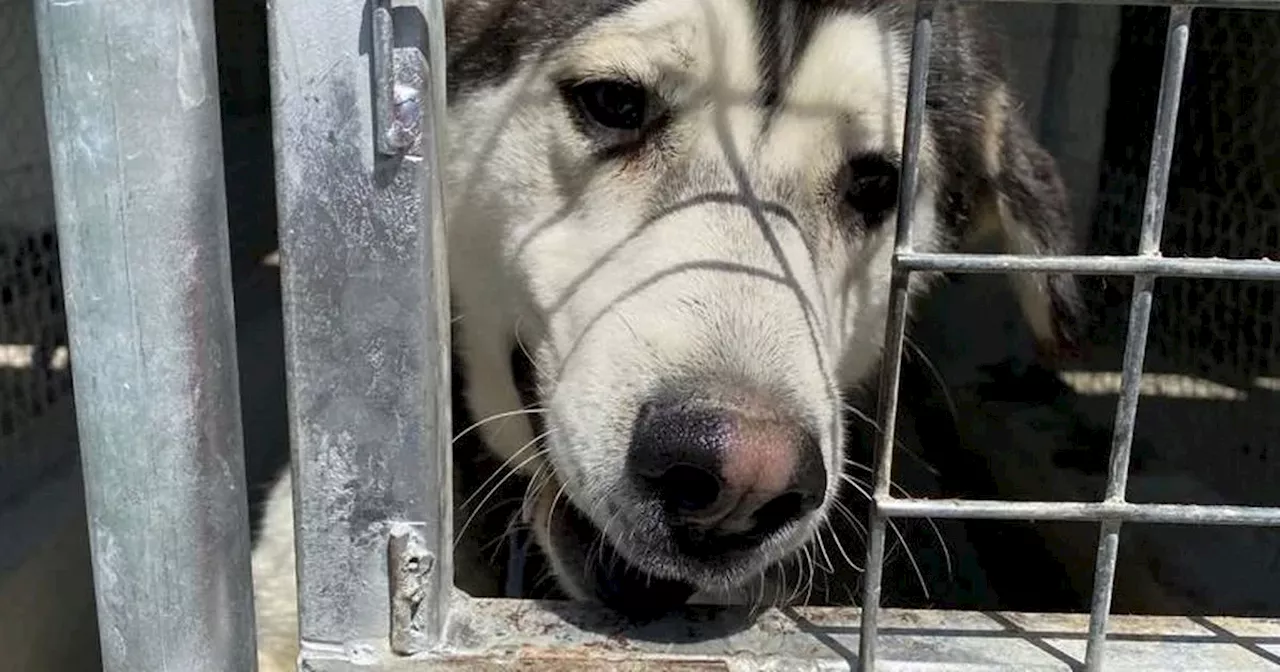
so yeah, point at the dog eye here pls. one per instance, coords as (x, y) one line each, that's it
(615, 105)
(872, 188)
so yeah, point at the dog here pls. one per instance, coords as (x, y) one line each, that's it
(670, 228)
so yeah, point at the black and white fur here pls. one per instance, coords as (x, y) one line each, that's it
(742, 234)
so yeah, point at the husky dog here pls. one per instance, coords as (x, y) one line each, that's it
(681, 212)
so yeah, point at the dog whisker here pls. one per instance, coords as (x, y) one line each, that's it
(856, 522)
(533, 361)
(799, 578)
(497, 544)
(942, 542)
(924, 586)
(498, 416)
(897, 443)
(813, 575)
(830, 567)
(936, 374)
(551, 512)
(535, 484)
(758, 603)
(597, 546)
(788, 596)
(501, 468)
(539, 454)
(547, 576)
(840, 547)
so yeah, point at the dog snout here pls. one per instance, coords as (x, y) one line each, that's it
(727, 475)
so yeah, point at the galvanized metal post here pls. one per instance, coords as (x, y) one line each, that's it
(358, 102)
(131, 95)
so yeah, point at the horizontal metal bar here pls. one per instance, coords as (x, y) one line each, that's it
(131, 95)
(1180, 267)
(563, 637)
(1127, 512)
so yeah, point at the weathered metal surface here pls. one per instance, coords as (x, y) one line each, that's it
(523, 635)
(399, 86)
(1128, 512)
(131, 94)
(895, 329)
(410, 566)
(1226, 269)
(1135, 348)
(366, 310)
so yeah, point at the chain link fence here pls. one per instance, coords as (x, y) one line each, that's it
(1224, 195)
(34, 373)
(1214, 345)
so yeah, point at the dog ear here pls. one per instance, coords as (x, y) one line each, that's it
(1023, 204)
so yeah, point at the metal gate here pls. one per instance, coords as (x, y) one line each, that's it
(131, 96)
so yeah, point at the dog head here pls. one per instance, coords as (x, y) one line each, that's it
(682, 213)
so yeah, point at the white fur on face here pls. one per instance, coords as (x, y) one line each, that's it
(723, 254)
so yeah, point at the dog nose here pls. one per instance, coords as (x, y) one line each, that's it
(728, 475)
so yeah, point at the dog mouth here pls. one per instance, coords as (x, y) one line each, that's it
(602, 571)
(582, 550)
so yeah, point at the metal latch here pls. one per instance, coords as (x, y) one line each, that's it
(400, 80)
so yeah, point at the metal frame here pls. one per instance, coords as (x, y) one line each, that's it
(358, 101)
(1144, 268)
(366, 301)
(136, 150)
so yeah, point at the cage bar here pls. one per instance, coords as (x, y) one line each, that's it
(1121, 511)
(131, 96)
(1177, 267)
(366, 317)
(895, 329)
(1175, 59)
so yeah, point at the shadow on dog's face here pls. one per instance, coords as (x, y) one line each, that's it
(682, 217)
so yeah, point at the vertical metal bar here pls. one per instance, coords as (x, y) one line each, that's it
(1175, 58)
(131, 95)
(887, 407)
(366, 313)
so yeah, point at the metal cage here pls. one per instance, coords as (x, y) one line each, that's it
(131, 91)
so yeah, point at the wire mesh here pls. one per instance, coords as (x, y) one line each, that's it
(1223, 197)
(34, 373)
(1144, 268)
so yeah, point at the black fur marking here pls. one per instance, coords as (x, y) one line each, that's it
(489, 39)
